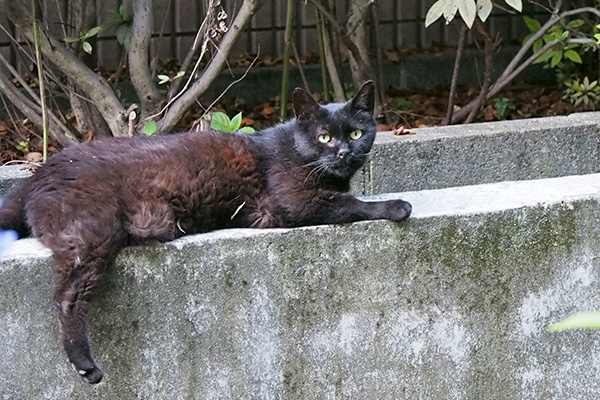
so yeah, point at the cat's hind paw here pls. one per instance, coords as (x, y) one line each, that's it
(91, 375)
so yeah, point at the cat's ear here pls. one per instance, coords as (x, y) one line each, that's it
(365, 97)
(305, 107)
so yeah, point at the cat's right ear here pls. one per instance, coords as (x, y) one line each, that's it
(305, 107)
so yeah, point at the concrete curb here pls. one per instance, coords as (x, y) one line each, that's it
(454, 303)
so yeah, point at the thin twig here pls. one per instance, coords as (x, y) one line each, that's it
(454, 83)
(40, 68)
(490, 46)
(190, 56)
(233, 83)
(154, 63)
(322, 62)
(300, 68)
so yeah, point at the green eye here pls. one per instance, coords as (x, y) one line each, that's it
(355, 135)
(324, 138)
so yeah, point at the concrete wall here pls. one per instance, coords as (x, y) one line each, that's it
(451, 304)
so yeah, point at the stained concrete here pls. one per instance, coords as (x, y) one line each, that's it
(461, 155)
(450, 304)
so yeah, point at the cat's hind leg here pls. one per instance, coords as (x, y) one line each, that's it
(84, 240)
(76, 277)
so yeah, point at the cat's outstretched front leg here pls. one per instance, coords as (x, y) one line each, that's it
(345, 208)
(394, 210)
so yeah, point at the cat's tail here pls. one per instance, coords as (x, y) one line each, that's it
(12, 211)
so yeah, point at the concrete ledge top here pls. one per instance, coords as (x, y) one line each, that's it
(465, 200)
(495, 197)
(492, 128)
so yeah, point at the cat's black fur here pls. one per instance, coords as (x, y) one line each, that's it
(90, 200)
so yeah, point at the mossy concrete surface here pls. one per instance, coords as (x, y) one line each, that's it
(450, 304)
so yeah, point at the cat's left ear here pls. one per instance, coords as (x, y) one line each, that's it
(365, 97)
(305, 107)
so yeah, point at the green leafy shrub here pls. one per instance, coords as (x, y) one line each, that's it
(503, 107)
(582, 92)
(562, 51)
(83, 38)
(221, 122)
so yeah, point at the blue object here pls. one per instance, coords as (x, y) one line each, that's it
(6, 237)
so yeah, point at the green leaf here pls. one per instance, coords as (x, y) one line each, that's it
(124, 35)
(149, 128)
(532, 24)
(582, 320)
(544, 57)
(556, 58)
(162, 79)
(87, 47)
(576, 24)
(70, 40)
(247, 129)
(538, 44)
(236, 122)
(92, 32)
(435, 12)
(179, 75)
(484, 9)
(468, 11)
(573, 56)
(220, 122)
(516, 4)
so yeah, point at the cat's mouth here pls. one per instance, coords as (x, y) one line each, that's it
(343, 168)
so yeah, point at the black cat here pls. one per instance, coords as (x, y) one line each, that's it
(90, 200)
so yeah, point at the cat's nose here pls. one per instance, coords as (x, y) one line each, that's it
(343, 152)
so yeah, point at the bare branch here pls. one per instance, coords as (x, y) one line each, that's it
(139, 66)
(36, 103)
(543, 30)
(93, 85)
(31, 110)
(513, 69)
(176, 112)
(190, 56)
(454, 83)
(325, 12)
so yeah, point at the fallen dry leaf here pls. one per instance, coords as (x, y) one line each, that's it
(401, 130)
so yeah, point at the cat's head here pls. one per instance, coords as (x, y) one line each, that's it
(334, 140)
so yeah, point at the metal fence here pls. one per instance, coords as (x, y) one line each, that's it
(401, 26)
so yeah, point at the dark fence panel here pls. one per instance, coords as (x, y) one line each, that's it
(401, 26)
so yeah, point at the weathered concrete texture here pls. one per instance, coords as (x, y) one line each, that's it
(451, 304)
(481, 153)
(10, 176)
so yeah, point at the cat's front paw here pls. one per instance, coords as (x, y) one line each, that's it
(398, 210)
